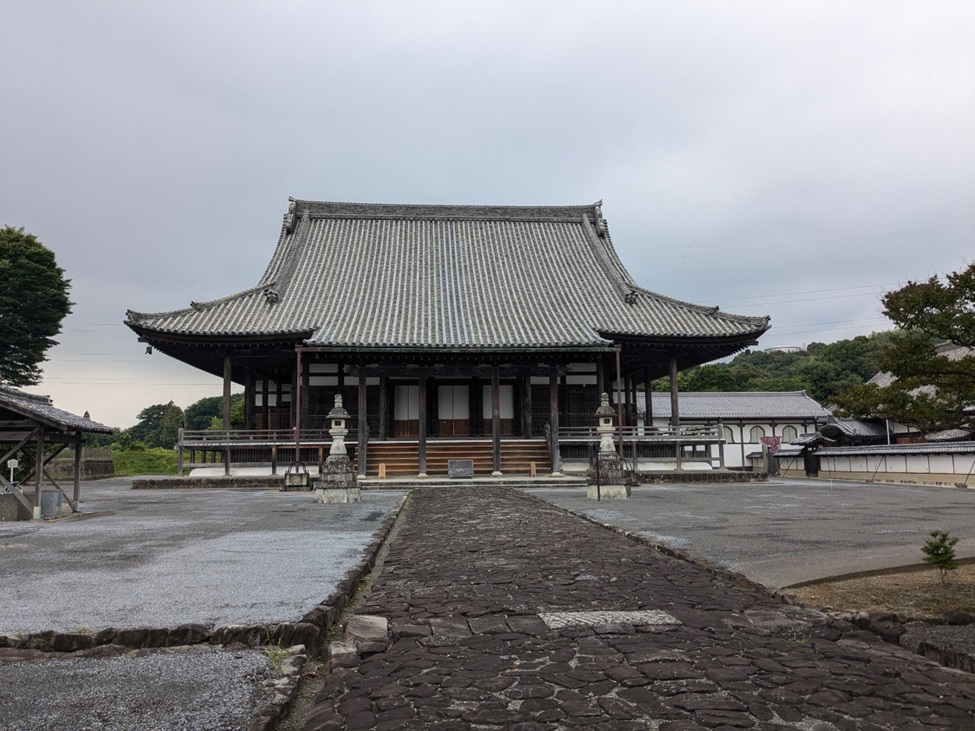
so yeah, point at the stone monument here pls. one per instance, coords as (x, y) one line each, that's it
(607, 478)
(337, 483)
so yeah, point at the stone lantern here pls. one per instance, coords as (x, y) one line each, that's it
(338, 418)
(337, 483)
(604, 425)
(607, 477)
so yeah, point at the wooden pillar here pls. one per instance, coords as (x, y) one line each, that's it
(383, 407)
(496, 420)
(674, 411)
(553, 417)
(721, 444)
(422, 418)
(249, 399)
(363, 424)
(226, 411)
(526, 406)
(619, 399)
(648, 398)
(78, 446)
(38, 473)
(632, 409)
(179, 453)
(265, 406)
(601, 377)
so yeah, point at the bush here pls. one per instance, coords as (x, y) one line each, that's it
(143, 461)
(939, 551)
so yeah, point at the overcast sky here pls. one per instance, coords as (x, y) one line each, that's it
(791, 159)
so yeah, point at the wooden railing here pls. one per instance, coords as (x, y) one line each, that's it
(647, 434)
(203, 438)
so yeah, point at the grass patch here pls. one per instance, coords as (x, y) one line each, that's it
(156, 461)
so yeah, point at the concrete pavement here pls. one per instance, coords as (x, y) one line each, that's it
(785, 532)
(161, 558)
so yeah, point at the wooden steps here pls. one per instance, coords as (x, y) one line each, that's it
(402, 459)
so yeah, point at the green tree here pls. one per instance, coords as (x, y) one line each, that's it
(147, 428)
(199, 414)
(931, 361)
(33, 302)
(172, 420)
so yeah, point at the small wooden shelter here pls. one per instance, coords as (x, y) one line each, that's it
(33, 432)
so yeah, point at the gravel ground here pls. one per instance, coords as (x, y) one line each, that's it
(231, 556)
(173, 690)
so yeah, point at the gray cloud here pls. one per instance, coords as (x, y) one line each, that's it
(786, 159)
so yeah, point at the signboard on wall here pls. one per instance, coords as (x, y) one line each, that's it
(772, 443)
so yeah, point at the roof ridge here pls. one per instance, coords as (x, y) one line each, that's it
(337, 209)
(17, 393)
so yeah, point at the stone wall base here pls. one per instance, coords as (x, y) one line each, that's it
(338, 495)
(608, 492)
(710, 476)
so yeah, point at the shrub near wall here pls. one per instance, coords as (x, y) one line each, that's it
(155, 461)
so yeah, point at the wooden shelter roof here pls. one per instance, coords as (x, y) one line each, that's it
(40, 409)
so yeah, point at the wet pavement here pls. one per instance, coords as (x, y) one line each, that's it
(505, 612)
(785, 532)
(230, 556)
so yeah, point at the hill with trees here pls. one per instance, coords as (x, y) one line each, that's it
(821, 370)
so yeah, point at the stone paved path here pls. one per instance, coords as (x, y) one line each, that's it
(472, 577)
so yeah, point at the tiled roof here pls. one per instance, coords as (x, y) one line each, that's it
(894, 449)
(853, 428)
(355, 275)
(41, 409)
(736, 405)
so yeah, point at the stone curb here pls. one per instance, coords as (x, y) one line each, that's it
(298, 639)
(889, 627)
(704, 476)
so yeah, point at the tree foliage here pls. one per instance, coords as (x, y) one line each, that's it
(33, 302)
(821, 370)
(932, 360)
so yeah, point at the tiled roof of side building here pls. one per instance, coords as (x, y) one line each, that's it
(41, 409)
(364, 275)
(737, 405)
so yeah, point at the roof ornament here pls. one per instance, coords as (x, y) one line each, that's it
(196, 305)
(630, 297)
(271, 295)
(289, 220)
(600, 221)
